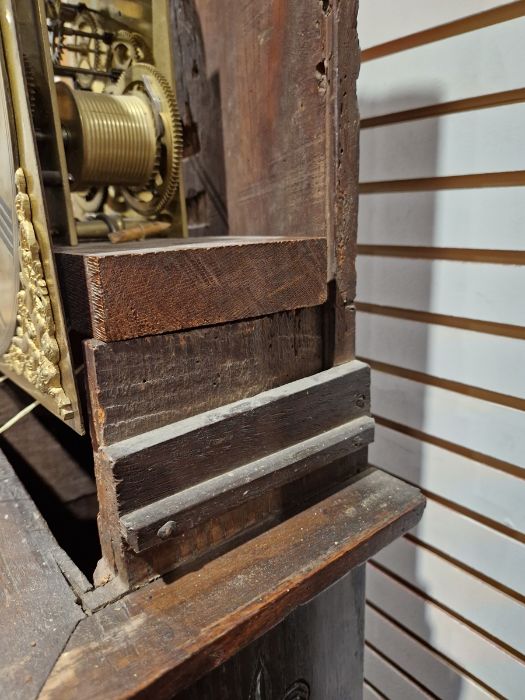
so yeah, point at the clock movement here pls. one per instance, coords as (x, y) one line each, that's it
(92, 147)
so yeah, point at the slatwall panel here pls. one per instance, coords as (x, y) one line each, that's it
(441, 317)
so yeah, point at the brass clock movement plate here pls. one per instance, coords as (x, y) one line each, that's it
(91, 148)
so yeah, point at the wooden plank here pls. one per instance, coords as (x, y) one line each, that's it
(317, 648)
(490, 492)
(464, 66)
(481, 658)
(39, 609)
(471, 218)
(389, 680)
(185, 284)
(162, 461)
(187, 508)
(480, 360)
(479, 141)
(410, 16)
(486, 607)
(488, 428)
(141, 384)
(430, 669)
(482, 291)
(164, 637)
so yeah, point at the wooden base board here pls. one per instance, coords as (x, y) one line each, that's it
(116, 292)
(160, 639)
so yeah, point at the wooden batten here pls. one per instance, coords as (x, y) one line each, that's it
(115, 292)
(145, 383)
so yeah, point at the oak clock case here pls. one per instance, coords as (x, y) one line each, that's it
(91, 142)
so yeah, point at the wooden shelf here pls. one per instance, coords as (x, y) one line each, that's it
(116, 292)
(160, 639)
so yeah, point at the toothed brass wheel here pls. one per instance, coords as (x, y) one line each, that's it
(144, 80)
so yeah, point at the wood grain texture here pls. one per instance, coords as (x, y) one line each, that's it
(188, 452)
(186, 284)
(141, 384)
(38, 611)
(269, 103)
(218, 534)
(189, 507)
(317, 648)
(163, 638)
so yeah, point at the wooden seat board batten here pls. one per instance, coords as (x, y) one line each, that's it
(188, 284)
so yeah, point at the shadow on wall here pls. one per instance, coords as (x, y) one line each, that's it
(391, 218)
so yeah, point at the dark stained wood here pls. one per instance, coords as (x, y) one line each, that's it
(160, 639)
(158, 463)
(343, 62)
(38, 610)
(141, 384)
(146, 526)
(198, 95)
(259, 105)
(218, 534)
(317, 649)
(136, 290)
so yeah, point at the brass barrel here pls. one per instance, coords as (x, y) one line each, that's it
(110, 139)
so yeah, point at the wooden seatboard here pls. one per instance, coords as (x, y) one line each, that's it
(189, 507)
(140, 384)
(164, 637)
(169, 459)
(115, 292)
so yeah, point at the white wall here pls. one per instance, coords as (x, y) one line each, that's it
(441, 312)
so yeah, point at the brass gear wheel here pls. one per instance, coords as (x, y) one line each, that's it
(127, 48)
(143, 79)
(55, 30)
(87, 49)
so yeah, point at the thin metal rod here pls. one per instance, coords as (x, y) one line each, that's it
(21, 414)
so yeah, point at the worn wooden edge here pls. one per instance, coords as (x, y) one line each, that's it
(159, 640)
(145, 383)
(178, 285)
(159, 436)
(190, 507)
(156, 464)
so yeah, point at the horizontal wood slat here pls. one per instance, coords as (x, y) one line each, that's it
(497, 557)
(452, 182)
(479, 656)
(470, 598)
(463, 67)
(186, 284)
(481, 291)
(189, 507)
(476, 218)
(489, 428)
(156, 464)
(479, 359)
(471, 23)
(470, 484)
(430, 669)
(389, 680)
(481, 141)
(141, 384)
(380, 21)
(185, 628)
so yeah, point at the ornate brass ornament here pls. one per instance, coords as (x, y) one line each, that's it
(89, 122)
(34, 353)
